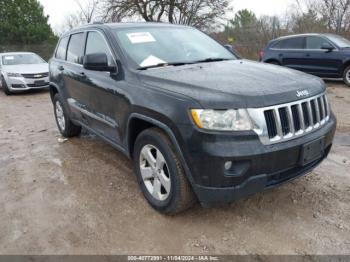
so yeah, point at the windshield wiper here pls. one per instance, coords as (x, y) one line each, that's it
(210, 59)
(162, 65)
(207, 60)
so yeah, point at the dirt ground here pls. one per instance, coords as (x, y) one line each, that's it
(81, 197)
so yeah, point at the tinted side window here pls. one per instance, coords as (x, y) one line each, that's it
(61, 49)
(291, 43)
(315, 42)
(96, 43)
(75, 48)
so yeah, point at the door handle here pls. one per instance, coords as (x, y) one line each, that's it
(61, 68)
(307, 55)
(280, 55)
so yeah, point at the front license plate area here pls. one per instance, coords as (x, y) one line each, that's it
(39, 83)
(312, 151)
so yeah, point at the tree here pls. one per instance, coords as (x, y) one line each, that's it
(244, 19)
(198, 13)
(308, 22)
(23, 22)
(335, 13)
(242, 32)
(87, 12)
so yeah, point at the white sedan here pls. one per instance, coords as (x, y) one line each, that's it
(23, 71)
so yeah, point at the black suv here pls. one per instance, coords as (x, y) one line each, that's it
(323, 55)
(197, 122)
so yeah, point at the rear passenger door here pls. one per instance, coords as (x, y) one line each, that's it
(321, 62)
(291, 52)
(73, 75)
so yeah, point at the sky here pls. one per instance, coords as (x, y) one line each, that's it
(57, 10)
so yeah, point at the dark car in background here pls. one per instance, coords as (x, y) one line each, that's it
(323, 55)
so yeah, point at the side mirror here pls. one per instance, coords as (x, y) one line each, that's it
(232, 50)
(327, 46)
(229, 48)
(98, 62)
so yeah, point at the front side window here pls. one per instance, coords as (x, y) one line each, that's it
(290, 43)
(97, 44)
(75, 47)
(62, 48)
(315, 42)
(22, 59)
(149, 46)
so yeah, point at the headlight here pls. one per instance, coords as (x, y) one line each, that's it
(14, 75)
(223, 120)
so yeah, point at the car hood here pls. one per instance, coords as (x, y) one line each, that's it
(26, 69)
(235, 83)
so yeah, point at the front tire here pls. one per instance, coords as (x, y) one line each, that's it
(160, 173)
(66, 127)
(5, 86)
(346, 76)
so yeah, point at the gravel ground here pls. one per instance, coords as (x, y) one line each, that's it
(81, 197)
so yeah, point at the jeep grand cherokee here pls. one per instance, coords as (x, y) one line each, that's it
(197, 122)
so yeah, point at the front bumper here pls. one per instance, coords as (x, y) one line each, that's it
(255, 167)
(21, 84)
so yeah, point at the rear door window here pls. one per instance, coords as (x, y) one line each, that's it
(315, 42)
(75, 48)
(62, 48)
(291, 43)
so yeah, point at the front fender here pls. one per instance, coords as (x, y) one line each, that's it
(173, 134)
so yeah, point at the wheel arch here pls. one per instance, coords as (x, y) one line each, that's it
(53, 90)
(345, 65)
(142, 122)
(271, 60)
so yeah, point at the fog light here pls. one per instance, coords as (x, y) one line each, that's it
(228, 165)
(18, 86)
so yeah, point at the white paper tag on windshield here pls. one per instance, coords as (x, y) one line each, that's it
(141, 37)
(151, 60)
(9, 58)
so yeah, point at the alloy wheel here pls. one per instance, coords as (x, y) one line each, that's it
(155, 172)
(60, 116)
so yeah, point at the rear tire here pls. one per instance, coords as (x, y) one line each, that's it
(4, 86)
(66, 127)
(160, 173)
(346, 76)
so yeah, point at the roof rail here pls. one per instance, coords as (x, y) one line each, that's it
(97, 23)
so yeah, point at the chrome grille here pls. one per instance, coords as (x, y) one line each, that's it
(287, 121)
(38, 75)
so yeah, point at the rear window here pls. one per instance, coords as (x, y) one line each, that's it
(75, 48)
(61, 49)
(291, 43)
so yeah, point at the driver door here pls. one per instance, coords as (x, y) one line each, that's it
(321, 62)
(103, 89)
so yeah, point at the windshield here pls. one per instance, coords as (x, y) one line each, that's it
(151, 46)
(22, 59)
(339, 41)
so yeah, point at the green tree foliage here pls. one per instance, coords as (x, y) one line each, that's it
(24, 22)
(243, 19)
(309, 21)
(241, 31)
